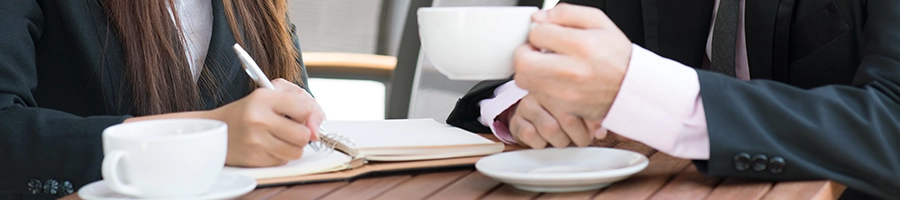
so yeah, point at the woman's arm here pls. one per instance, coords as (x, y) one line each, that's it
(37, 144)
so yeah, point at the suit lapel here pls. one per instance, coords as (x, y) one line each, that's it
(781, 40)
(682, 27)
(116, 92)
(759, 26)
(222, 79)
(767, 26)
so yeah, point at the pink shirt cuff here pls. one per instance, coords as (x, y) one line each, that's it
(659, 105)
(504, 96)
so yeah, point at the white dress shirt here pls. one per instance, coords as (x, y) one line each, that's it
(196, 28)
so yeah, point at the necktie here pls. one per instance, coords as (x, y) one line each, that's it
(724, 34)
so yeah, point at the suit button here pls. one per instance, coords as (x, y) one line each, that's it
(759, 162)
(742, 161)
(50, 186)
(66, 188)
(35, 186)
(776, 165)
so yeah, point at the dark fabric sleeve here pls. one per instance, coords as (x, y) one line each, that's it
(850, 134)
(38, 143)
(466, 112)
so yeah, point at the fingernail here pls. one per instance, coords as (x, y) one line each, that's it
(600, 133)
(539, 16)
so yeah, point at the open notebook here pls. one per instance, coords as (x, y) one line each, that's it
(382, 140)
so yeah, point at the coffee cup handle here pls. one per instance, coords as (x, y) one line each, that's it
(110, 170)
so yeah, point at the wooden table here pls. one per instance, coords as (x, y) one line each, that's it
(665, 178)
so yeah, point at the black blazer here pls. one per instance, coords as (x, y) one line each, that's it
(825, 94)
(61, 84)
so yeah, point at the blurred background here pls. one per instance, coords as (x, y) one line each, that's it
(364, 62)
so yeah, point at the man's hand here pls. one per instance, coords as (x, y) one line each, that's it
(574, 64)
(533, 126)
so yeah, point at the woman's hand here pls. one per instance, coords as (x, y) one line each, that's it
(265, 128)
(268, 128)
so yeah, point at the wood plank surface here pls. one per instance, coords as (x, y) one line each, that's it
(688, 184)
(423, 185)
(570, 195)
(645, 183)
(509, 192)
(805, 190)
(263, 193)
(350, 62)
(739, 189)
(366, 188)
(472, 186)
(607, 142)
(830, 191)
(71, 197)
(636, 147)
(309, 191)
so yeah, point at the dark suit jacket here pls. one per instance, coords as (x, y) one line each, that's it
(825, 95)
(61, 84)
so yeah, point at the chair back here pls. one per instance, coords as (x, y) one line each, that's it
(349, 26)
(417, 89)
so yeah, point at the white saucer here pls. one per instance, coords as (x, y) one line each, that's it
(562, 170)
(228, 186)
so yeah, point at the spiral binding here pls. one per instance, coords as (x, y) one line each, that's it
(329, 141)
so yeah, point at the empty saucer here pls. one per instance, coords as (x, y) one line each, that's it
(227, 186)
(562, 170)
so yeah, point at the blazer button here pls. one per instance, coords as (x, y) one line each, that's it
(776, 165)
(742, 161)
(35, 186)
(759, 162)
(50, 186)
(66, 188)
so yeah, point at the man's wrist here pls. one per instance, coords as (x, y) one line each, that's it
(507, 114)
(502, 123)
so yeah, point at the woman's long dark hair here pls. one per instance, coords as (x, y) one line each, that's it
(156, 66)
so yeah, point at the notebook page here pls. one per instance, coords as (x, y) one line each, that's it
(311, 162)
(402, 133)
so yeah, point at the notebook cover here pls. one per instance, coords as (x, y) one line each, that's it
(381, 167)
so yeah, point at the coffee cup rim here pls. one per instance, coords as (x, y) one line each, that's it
(113, 132)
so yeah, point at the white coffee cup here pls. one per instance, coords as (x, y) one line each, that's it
(164, 158)
(474, 43)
